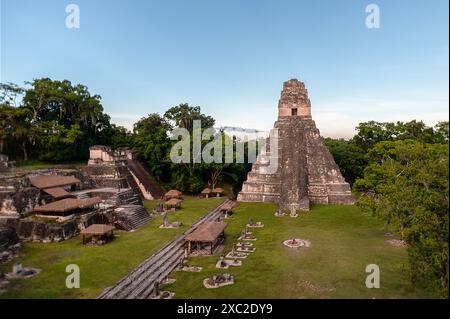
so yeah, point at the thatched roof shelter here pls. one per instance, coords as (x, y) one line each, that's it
(206, 190)
(51, 181)
(173, 193)
(206, 238)
(207, 232)
(217, 191)
(57, 192)
(173, 202)
(67, 205)
(98, 231)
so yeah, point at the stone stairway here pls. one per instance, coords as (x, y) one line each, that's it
(128, 198)
(145, 179)
(132, 216)
(140, 283)
(83, 196)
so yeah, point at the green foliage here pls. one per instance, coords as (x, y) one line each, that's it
(406, 185)
(401, 175)
(184, 115)
(150, 138)
(56, 121)
(152, 143)
(350, 158)
(370, 133)
(353, 155)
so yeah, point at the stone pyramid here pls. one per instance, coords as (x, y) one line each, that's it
(306, 171)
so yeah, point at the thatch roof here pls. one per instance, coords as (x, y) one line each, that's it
(206, 232)
(97, 229)
(173, 202)
(57, 192)
(51, 181)
(68, 204)
(218, 190)
(173, 193)
(206, 191)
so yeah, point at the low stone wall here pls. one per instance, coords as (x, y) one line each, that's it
(8, 238)
(28, 229)
(19, 202)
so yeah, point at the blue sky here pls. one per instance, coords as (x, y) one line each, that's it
(231, 57)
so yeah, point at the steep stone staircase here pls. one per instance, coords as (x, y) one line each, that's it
(146, 180)
(83, 196)
(132, 216)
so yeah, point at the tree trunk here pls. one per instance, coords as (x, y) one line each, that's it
(24, 149)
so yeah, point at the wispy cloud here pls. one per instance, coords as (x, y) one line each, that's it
(333, 118)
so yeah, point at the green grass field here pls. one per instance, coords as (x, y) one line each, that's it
(343, 242)
(102, 266)
(35, 165)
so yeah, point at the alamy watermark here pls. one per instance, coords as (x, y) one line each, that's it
(73, 17)
(373, 279)
(373, 17)
(73, 279)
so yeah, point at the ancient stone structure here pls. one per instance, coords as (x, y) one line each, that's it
(18, 196)
(5, 163)
(34, 203)
(307, 172)
(8, 238)
(120, 169)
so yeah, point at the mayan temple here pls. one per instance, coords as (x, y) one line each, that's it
(307, 172)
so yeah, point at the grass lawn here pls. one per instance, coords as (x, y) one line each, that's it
(343, 242)
(35, 165)
(102, 266)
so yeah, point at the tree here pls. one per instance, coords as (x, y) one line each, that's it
(350, 158)
(184, 115)
(370, 133)
(150, 139)
(189, 176)
(407, 186)
(9, 93)
(441, 129)
(55, 117)
(120, 137)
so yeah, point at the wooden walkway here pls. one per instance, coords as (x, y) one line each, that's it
(140, 282)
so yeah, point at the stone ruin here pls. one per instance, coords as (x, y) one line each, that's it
(120, 169)
(19, 198)
(108, 176)
(5, 163)
(296, 243)
(9, 243)
(307, 172)
(218, 280)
